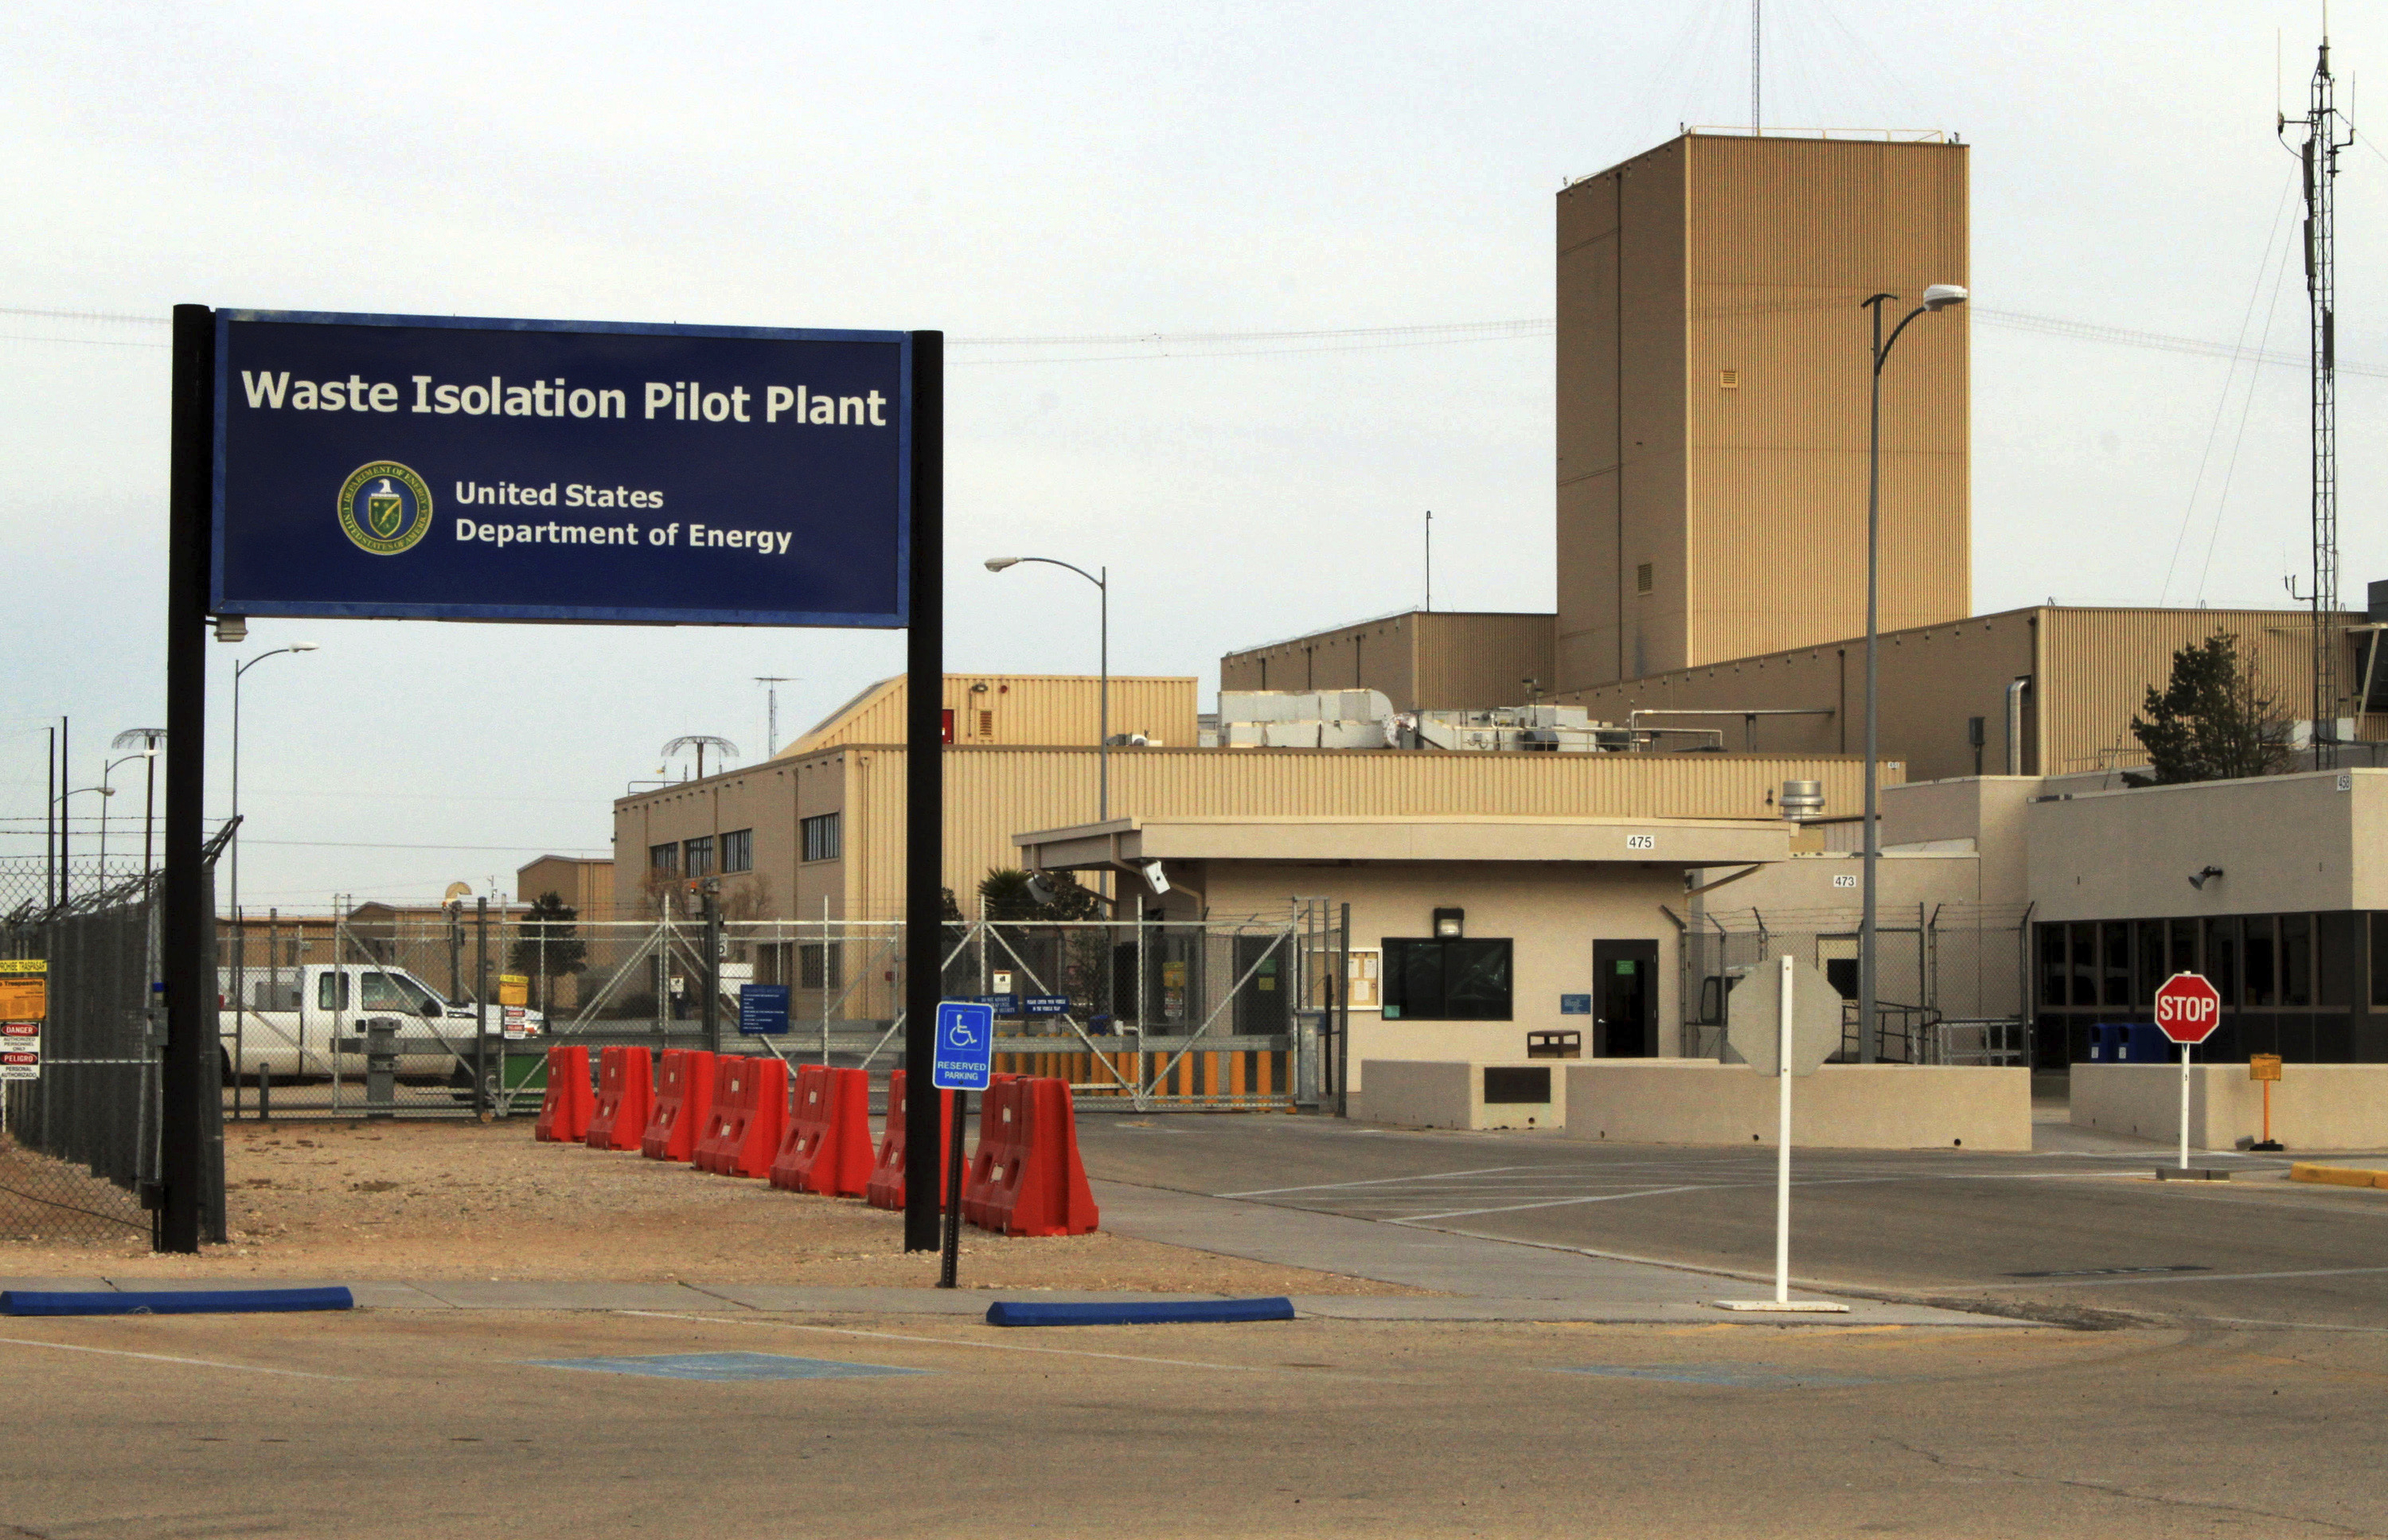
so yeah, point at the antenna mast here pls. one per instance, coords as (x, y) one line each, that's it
(2326, 132)
(1430, 558)
(1756, 120)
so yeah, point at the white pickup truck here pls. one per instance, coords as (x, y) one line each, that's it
(308, 1022)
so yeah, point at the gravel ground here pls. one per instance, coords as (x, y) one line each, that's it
(461, 1201)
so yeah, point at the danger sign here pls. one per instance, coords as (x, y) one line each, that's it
(2187, 1008)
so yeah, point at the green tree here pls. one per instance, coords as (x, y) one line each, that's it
(550, 946)
(2211, 722)
(1009, 895)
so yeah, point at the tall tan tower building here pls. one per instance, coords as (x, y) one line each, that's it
(1714, 400)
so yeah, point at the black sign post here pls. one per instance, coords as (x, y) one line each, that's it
(444, 468)
(924, 794)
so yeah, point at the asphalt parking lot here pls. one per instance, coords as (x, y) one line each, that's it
(457, 1424)
(2062, 1235)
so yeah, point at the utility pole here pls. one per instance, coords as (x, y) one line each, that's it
(1429, 559)
(2326, 132)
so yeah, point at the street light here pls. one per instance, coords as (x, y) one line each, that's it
(1103, 707)
(148, 738)
(1937, 296)
(65, 807)
(106, 792)
(240, 943)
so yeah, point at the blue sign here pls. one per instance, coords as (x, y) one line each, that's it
(762, 1010)
(1575, 1005)
(441, 468)
(1006, 1006)
(1047, 1004)
(965, 1046)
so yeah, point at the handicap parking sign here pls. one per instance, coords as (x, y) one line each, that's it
(965, 1046)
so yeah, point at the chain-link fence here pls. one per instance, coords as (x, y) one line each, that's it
(79, 1132)
(1217, 1015)
(1950, 982)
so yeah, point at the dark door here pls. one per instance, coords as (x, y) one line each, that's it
(1625, 998)
(1262, 1006)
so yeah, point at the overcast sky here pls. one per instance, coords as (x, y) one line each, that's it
(1080, 170)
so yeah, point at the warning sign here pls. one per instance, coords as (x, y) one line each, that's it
(24, 989)
(514, 988)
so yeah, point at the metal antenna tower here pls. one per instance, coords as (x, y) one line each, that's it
(2326, 133)
(771, 683)
(1756, 120)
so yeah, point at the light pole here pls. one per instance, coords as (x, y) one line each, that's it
(1103, 707)
(106, 792)
(65, 807)
(239, 669)
(1937, 296)
(147, 739)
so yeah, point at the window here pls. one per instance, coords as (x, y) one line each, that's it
(2222, 958)
(2051, 965)
(2184, 947)
(2263, 977)
(2085, 962)
(2296, 959)
(1431, 980)
(332, 991)
(395, 992)
(699, 856)
(820, 966)
(738, 851)
(2150, 940)
(2118, 943)
(2379, 959)
(821, 838)
(663, 860)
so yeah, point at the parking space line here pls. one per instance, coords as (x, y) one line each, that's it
(945, 1342)
(169, 1358)
(2171, 1278)
(1374, 1181)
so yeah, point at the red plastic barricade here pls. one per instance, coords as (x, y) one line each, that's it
(885, 1188)
(1025, 1177)
(563, 1113)
(683, 1103)
(750, 1107)
(625, 1091)
(826, 1146)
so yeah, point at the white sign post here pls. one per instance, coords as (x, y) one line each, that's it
(1801, 1044)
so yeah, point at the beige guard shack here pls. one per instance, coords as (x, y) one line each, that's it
(1470, 935)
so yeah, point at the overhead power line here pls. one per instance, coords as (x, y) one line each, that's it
(1113, 346)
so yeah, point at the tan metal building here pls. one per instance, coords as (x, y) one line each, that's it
(2048, 691)
(1421, 660)
(1713, 399)
(826, 829)
(1016, 708)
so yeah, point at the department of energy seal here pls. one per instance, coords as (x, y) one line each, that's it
(385, 508)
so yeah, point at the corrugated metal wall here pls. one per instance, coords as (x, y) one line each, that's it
(1019, 707)
(1786, 237)
(1379, 654)
(1713, 399)
(1932, 679)
(2104, 661)
(992, 794)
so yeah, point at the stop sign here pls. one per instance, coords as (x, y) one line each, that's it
(2187, 1008)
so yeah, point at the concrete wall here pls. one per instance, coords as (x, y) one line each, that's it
(2315, 1106)
(1843, 1106)
(2284, 843)
(1446, 1094)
